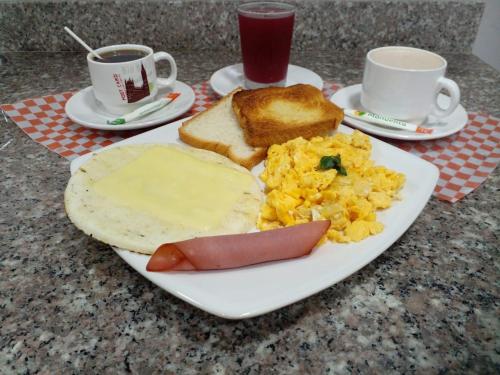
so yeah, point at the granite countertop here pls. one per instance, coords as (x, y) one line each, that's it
(69, 304)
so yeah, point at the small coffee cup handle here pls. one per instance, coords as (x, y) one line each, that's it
(158, 56)
(452, 88)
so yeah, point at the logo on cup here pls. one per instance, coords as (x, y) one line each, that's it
(132, 91)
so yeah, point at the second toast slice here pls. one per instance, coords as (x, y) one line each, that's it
(217, 129)
(275, 115)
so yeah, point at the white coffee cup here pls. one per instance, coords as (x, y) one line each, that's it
(122, 87)
(404, 83)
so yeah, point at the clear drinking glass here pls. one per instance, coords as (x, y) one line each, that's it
(266, 30)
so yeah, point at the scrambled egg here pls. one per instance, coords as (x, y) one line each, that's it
(299, 192)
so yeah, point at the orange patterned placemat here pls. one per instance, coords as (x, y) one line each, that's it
(464, 159)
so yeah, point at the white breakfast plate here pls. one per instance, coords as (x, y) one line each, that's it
(84, 109)
(255, 290)
(349, 97)
(225, 80)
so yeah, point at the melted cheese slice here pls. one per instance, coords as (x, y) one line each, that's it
(176, 187)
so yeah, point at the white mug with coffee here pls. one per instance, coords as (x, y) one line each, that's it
(404, 82)
(125, 78)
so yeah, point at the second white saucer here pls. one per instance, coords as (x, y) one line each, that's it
(227, 79)
(350, 97)
(84, 109)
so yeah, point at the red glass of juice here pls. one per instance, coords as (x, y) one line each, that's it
(266, 30)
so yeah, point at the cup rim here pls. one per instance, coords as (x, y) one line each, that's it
(443, 60)
(285, 9)
(115, 47)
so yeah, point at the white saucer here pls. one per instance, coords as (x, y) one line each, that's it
(84, 109)
(349, 97)
(227, 79)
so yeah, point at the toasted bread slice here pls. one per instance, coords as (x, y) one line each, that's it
(217, 129)
(277, 114)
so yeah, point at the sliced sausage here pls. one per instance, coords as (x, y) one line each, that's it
(238, 250)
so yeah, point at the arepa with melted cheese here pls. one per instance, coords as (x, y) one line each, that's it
(138, 197)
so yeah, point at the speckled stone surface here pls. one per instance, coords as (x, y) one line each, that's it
(440, 25)
(68, 304)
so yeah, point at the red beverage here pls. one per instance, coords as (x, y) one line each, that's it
(266, 36)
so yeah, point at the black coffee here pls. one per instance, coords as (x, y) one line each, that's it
(119, 56)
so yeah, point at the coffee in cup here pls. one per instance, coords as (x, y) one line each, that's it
(125, 78)
(404, 82)
(121, 55)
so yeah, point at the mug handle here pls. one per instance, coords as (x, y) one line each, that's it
(158, 56)
(452, 88)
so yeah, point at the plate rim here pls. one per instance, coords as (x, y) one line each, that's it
(130, 126)
(387, 133)
(324, 282)
(223, 93)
